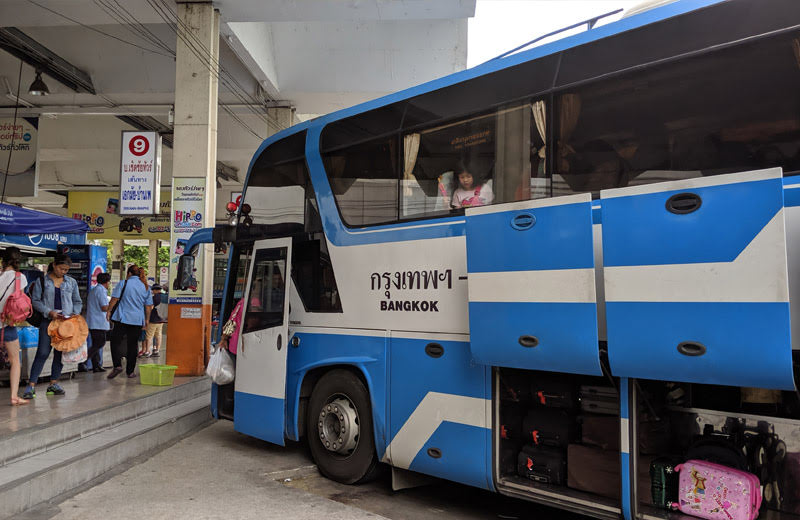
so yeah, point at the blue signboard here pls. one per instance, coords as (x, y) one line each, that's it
(44, 240)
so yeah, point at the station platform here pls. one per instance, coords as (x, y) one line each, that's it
(54, 445)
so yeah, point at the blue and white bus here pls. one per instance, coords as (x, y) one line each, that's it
(617, 288)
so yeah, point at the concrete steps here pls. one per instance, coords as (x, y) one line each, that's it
(41, 463)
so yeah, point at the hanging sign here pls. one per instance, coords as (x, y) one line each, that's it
(140, 173)
(188, 203)
(100, 209)
(18, 153)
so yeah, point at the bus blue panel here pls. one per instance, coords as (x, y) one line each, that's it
(249, 414)
(699, 293)
(427, 393)
(560, 238)
(565, 345)
(365, 353)
(638, 229)
(748, 344)
(462, 455)
(531, 277)
(791, 196)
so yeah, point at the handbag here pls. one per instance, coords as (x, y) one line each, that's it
(114, 308)
(36, 318)
(220, 367)
(79, 355)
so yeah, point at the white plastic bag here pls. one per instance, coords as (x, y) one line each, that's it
(220, 367)
(79, 355)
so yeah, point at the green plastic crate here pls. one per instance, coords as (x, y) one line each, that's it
(156, 375)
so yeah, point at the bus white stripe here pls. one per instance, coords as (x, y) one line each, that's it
(758, 274)
(434, 409)
(546, 286)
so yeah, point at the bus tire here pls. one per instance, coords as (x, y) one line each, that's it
(341, 401)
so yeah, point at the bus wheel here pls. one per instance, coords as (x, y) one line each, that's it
(339, 428)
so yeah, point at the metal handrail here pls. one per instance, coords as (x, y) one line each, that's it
(590, 23)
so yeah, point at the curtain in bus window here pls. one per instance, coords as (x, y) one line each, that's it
(540, 118)
(410, 151)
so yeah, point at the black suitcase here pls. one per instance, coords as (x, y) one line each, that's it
(664, 481)
(515, 386)
(599, 399)
(511, 415)
(543, 464)
(553, 393)
(545, 427)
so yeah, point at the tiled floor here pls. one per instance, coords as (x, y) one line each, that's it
(85, 392)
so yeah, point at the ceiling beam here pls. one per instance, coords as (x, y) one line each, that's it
(252, 44)
(19, 44)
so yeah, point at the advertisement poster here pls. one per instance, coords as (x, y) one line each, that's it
(187, 209)
(100, 209)
(18, 152)
(140, 173)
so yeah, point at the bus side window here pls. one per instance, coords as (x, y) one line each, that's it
(503, 151)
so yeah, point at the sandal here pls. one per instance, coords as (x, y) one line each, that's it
(17, 401)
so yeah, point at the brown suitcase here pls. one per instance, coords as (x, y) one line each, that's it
(601, 431)
(597, 471)
(594, 470)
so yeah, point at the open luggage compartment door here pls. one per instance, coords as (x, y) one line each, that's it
(696, 281)
(531, 278)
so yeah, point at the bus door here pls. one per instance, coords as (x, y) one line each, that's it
(531, 285)
(696, 281)
(260, 384)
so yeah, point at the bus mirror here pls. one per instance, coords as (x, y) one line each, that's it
(185, 278)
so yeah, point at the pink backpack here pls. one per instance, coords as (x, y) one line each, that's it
(18, 306)
(716, 492)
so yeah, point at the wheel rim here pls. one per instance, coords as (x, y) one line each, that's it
(338, 425)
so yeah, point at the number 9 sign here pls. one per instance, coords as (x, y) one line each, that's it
(139, 145)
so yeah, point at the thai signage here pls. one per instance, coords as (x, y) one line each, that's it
(18, 152)
(100, 209)
(140, 173)
(188, 205)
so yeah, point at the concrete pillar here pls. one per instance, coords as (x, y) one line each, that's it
(195, 155)
(152, 260)
(279, 118)
(117, 265)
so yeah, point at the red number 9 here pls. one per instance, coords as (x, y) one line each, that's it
(139, 145)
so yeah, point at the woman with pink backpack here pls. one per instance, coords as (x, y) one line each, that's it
(10, 280)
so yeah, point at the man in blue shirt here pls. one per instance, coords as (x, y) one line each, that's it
(96, 310)
(129, 311)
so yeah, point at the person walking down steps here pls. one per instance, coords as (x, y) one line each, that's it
(125, 313)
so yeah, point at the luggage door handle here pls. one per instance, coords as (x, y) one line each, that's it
(684, 203)
(691, 348)
(523, 221)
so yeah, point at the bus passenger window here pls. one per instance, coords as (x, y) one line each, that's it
(265, 300)
(483, 159)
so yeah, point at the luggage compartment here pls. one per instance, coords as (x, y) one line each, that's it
(729, 420)
(549, 449)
